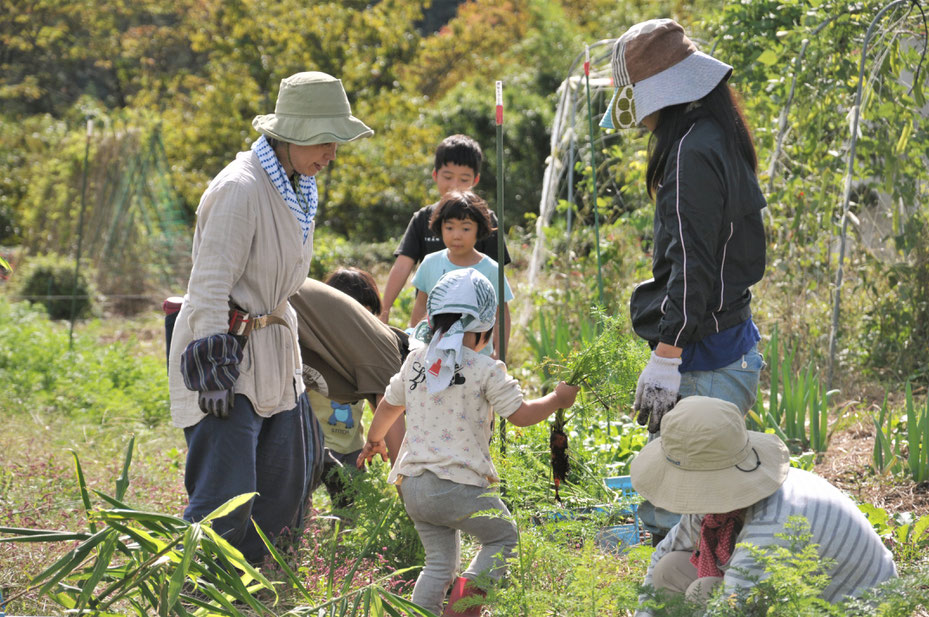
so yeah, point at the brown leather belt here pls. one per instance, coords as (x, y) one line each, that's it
(242, 323)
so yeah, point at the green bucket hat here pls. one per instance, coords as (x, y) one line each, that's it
(312, 108)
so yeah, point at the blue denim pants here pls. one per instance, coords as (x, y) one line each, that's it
(736, 383)
(279, 457)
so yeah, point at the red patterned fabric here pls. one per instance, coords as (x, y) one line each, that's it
(717, 539)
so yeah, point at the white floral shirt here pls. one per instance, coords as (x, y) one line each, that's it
(449, 433)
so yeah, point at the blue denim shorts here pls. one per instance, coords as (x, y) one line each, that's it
(736, 382)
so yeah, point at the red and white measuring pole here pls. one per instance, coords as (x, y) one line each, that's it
(501, 251)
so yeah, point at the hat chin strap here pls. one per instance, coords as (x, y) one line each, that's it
(293, 170)
(757, 462)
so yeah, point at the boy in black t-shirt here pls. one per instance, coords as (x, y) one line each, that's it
(457, 168)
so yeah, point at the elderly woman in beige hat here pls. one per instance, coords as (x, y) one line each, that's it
(234, 363)
(736, 486)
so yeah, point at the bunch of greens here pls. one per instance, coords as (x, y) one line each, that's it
(606, 366)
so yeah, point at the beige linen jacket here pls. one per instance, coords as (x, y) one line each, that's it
(248, 246)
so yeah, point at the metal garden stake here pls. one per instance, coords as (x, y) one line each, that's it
(593, 174)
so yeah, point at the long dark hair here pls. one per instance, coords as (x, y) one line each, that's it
(722, 105)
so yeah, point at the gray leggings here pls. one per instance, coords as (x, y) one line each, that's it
(441, 509)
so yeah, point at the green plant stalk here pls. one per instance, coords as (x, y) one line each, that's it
(917, 429)
(104, 555)
(367, 547)
(85, 496)
(912, 434)
(137, 574)
(924, 463)
(774, 410)
(282, 562)
(122, 483)
(80, 233)
(882, 447)
(332, 555)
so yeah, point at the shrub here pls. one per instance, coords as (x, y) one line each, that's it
(331, 251)
(49, 279)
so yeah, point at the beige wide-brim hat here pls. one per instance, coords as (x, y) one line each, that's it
(655, 65)
(312, 108)
(707, 462)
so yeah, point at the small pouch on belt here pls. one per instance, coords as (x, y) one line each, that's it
(242, 323)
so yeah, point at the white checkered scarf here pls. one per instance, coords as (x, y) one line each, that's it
(307, 184)
(464, 291)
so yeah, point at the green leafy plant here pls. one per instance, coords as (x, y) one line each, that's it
(602, 357)
(552, 337)
(143, 562)
(908, 538)
(795, 576)
(146, 563)
(886, 456)
(558, 570)
(93, 381)
(371, 599)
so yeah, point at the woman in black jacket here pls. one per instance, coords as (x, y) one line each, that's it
(709, 246)
(709, 239)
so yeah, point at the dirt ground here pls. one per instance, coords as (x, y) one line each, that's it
(847, 464)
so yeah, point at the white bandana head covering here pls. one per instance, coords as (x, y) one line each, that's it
(302, 204)
(464, 291)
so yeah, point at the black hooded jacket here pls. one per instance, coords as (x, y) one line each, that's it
(709, 242)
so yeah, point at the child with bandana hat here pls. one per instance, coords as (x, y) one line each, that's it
(449, 393)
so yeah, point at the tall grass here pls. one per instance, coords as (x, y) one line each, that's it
(129, 561)
(798, 403)
(902, 448)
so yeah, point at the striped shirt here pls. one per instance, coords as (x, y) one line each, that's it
(838, 527)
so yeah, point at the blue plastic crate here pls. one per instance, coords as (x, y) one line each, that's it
(617, 538)
(623, 485)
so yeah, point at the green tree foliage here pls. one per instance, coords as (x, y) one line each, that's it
(819, 44)
(199, 71)
(54, 52)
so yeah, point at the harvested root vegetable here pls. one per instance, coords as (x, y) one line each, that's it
(558, 442)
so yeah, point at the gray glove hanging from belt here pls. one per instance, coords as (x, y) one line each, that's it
(216, 402)
(210, 366)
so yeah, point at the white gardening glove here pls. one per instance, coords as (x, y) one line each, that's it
(656, 391)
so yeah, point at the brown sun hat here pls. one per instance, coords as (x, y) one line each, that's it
(654, 66)
(312, 108)
(707, 462)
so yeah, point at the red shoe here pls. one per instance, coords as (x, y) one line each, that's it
(463, 588)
